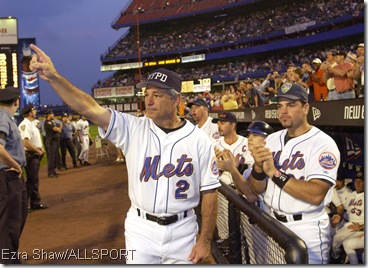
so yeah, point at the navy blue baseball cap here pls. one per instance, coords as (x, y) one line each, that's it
(9, 94)
(49, 112)
(292, 91)
(27, 108)
(198, 102)
(164, 79)
(225, 117)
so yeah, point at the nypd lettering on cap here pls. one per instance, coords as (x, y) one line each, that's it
(158, 76)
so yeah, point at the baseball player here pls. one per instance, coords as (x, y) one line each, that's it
(200, 116)
(296, 172)
(175, 162)
(256, 133)
(84, 137)
(32, 141)
(348, 235)
(230, 140)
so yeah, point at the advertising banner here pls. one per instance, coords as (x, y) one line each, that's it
(29, 85)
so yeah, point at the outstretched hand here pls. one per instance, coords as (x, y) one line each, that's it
(42, 64)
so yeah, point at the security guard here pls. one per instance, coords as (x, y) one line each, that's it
(52, 143)
(32, 142)
(13, 193)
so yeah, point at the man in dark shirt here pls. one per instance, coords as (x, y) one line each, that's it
(66, 141)
(13, 192)
(52, 140)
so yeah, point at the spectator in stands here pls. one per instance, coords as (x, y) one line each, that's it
(255, 99)
(262, 89)
(228, 100)
(306, 67)
(216, 104)
(297, 74)
(319, 86)
(344, 85)
(200, 110)
(358, 73)
(348, 235)
(330, 82)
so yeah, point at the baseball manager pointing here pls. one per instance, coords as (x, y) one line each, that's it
(174, 163)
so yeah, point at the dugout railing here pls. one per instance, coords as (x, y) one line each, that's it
(245, 234)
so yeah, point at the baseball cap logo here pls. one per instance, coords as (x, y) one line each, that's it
(222, 115)
(285, 87)
(158, 76)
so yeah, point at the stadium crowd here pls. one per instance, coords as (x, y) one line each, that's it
(229, 29)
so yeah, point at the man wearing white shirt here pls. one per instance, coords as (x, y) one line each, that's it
(32, 142)
(204, 121)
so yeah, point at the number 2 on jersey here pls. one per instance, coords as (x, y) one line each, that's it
(183, 186)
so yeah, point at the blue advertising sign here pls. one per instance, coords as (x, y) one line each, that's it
(29, 86)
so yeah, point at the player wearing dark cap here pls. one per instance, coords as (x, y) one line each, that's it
(32, 142)
(13, 192)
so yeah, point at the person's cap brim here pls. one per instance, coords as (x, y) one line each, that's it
(155, 84)
(290, 97)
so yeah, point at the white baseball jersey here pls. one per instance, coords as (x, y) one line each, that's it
(165, 171)
(344, 192)
(313, 155)
(83, 127)
(238, 147)
(29, 130)
(355, 207)
(211, 129)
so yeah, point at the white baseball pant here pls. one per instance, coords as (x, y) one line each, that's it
(159, 244)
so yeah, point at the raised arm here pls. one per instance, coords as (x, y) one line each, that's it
(74, 97)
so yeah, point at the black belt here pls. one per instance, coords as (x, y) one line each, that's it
(296, 217)
(162, 220)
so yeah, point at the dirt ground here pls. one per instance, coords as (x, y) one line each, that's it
(84, 223)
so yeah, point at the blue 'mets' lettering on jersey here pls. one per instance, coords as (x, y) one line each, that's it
(296, 161)
(184, 168)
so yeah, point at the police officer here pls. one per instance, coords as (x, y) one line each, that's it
(13, 193)
(66, 141)
(52, 140)
(32, 142)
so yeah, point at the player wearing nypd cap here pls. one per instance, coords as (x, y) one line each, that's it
(204, 121)
(296, 172)
(170, 162)
(13, 193)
